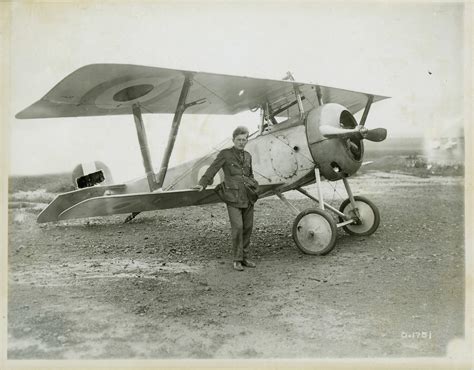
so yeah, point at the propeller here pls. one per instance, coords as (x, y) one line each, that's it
(359, 132)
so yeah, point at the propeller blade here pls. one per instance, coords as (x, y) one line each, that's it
(331, 132)
(376, 134)
(360, 132)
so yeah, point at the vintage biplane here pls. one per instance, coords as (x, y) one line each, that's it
(306, 132)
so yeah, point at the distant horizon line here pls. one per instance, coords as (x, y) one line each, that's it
(389, 139)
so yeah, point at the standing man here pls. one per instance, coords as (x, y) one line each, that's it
(238, 191)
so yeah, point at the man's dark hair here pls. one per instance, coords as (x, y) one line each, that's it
(239, 131)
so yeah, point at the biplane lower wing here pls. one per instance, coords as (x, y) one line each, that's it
(128, 203)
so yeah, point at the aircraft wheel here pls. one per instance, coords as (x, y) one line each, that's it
(369, 216)
(314, 231)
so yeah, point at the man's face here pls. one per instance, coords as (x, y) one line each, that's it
(240, 141)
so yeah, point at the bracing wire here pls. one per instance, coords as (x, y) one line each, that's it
(335, 192)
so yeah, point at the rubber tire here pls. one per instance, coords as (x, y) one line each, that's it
(332, 225)
(374, 209)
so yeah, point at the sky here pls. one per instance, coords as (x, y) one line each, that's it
(412, 52)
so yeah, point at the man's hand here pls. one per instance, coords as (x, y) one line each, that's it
(198, 188)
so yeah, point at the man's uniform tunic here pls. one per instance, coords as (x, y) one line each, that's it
(238, 178)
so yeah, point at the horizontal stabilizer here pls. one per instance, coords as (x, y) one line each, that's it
(69, 199)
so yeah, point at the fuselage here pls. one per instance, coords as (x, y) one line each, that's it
(284, 157)
(285, 153)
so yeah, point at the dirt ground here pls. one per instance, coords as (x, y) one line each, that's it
(163, 285)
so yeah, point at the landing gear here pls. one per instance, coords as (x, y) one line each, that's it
(315, 229)
(368, 220)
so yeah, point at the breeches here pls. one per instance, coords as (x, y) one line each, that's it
(241, 223)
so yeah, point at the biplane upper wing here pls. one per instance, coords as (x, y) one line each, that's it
(112, 89)
(127, 203)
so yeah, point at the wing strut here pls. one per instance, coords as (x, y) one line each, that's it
(319, 94)
(141, 133)
(157, 182)
(297, 91)
(174, 129)
(366, 110)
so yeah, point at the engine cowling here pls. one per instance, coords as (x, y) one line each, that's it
(336, 157)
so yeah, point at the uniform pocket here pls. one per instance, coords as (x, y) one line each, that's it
(227, 194)
(235, 169)
(231, 185)
(230, 193)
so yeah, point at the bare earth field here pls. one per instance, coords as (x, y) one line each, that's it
(162, 286)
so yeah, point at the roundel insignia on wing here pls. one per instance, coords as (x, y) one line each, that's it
(132, 92)
(126, 92)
